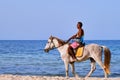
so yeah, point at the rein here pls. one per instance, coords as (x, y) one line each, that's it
(58, 46)
(54, 44)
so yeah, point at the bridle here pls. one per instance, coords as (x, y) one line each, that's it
(53, 45)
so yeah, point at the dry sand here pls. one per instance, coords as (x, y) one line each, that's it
(19, 77)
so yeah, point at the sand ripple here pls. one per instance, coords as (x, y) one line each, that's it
(19, 77)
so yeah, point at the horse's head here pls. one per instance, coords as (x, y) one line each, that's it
(49, 45)
(52, 43)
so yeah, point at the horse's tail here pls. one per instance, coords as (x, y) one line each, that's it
(107, 58)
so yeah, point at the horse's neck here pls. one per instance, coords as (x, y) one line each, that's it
(56, 43)
(61, 48)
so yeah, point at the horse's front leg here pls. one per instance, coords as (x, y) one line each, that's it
(73, 70)
(66, 68)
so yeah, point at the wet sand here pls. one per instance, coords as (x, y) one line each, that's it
(19, 77)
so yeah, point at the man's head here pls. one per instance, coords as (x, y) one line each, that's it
(79, 25)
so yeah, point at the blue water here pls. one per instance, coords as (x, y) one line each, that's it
(25, 57)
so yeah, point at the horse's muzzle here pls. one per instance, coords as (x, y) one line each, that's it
(46, 50)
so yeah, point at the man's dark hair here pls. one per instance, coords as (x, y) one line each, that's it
(80, 24)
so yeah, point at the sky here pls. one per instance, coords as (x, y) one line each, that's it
(39, 19)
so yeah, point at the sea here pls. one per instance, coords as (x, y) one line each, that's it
(27, 57)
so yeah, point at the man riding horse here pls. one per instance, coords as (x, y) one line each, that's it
(93, 52)
(78, 41)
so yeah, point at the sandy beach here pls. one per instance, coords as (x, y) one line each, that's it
(19, 77)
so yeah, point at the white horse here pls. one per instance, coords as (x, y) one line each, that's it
(91, 51)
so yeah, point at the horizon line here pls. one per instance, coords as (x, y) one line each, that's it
(46, 39)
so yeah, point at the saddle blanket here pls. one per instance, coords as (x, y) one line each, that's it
(79, 52)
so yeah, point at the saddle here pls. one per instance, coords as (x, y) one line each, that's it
(79, 51)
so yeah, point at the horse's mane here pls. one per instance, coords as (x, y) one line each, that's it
(60, 41)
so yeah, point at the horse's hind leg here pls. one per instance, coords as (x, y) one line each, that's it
(93, 67)
(99, 61)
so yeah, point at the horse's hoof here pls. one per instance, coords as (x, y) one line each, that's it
(85, 78)
(76, 76)
(67, 77)
(105, 79)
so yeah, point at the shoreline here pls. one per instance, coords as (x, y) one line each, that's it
(28, 77)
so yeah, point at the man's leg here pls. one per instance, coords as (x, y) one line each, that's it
(71, 52)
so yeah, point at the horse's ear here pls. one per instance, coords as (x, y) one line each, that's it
(50, 37)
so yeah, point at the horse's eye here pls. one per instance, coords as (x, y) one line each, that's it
(47, 42)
